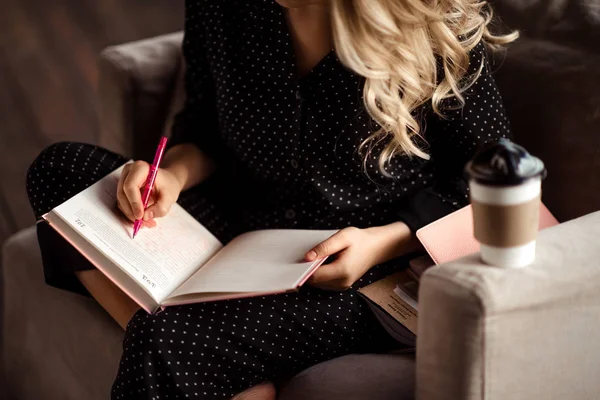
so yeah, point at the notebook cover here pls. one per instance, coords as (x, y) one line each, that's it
(451, 237)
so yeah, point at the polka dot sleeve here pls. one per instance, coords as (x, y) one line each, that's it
(454, 140)
(197, 123)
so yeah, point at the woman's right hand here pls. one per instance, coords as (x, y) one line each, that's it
(131, 186)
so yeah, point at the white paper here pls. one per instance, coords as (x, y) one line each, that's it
(159, 258)
(257, 262)
(408, 299)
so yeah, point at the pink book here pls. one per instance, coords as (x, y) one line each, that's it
(451, 237)
(179, 261)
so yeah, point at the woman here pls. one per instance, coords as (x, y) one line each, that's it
(281, 131)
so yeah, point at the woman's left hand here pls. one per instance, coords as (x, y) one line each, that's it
(356, 252)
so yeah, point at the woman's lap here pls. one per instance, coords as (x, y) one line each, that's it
(224, 346)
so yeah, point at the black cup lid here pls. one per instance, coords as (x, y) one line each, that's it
(504, 163)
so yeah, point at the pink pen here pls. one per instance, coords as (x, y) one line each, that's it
(150, 181)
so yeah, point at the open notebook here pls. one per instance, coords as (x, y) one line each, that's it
(179, 261)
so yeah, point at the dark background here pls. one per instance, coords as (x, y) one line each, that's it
(48, 75)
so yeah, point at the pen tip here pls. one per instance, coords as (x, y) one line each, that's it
(136, 227)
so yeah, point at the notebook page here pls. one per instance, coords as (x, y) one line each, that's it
(119, 277)
(160, 258)
(259, 261)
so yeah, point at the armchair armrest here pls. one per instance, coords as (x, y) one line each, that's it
(136, 88)
(531, 333)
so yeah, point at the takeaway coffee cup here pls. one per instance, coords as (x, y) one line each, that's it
(505, 185)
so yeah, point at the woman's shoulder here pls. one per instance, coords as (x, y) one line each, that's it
(476, 78)
(478, 57)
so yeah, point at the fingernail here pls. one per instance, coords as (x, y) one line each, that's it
(312, 254)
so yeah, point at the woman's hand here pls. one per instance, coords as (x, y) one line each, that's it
(131, 186)
(356, 251)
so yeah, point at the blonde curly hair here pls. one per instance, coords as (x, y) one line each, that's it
(396, 45)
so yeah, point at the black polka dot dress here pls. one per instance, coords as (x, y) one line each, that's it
(287, 154)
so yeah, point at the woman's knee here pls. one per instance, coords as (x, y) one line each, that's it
(64, 169)
(42, 175)
(43, 160)
(54, 159)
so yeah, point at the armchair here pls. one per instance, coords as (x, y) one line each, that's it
(484, 332)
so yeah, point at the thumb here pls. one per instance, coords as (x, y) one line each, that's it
(338, 242)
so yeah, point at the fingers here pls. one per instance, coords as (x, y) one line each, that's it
(146, 220)
(147, 215)
(162, 198)
(135, 179)
(336, 243)
(149, 223)
(159, 209)
(122, 200)
(335, 276)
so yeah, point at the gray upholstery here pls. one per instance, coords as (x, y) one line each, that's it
(519, 334)
(552, 96)
(356, 377)
(136, 90)
(57, 345)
